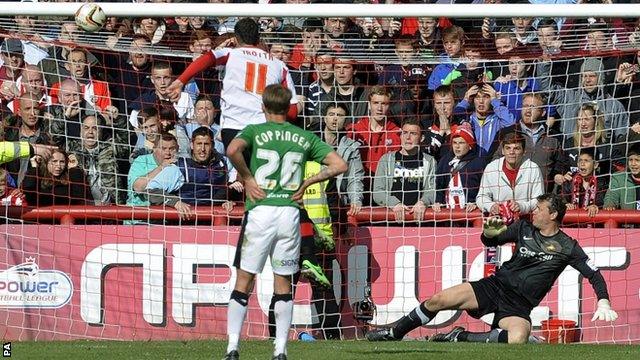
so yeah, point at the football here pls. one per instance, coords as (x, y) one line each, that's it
(90, 17)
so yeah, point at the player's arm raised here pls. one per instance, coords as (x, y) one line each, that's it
(234, 152)
(202, 63)
(586, 267)
(495, 232)
(335, 166)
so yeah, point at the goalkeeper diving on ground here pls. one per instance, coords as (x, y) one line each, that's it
(542, 252)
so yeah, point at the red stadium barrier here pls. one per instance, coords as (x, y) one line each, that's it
(69, 215)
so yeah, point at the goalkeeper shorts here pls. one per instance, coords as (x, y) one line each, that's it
(494, 298)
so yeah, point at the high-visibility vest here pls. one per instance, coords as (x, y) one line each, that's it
(10, 150)
(315, 200)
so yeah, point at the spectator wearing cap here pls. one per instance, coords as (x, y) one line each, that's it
(511, 180)
(544, 146)
(599, 41)
(11, 53)
(459, 172)
(568, 101)
(405, 180)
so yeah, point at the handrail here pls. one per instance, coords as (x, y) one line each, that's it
(219, 216)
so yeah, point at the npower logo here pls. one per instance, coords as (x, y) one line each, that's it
(26, 286)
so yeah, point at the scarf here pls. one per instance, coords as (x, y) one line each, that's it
(589, 194)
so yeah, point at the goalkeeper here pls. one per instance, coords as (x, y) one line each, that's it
(542, 253)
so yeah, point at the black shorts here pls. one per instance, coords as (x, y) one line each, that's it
(229, 134)
(494, 298)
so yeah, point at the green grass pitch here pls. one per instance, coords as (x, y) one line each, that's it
(318, 350)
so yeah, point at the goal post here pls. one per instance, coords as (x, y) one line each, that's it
(329, 10)
(112, 267)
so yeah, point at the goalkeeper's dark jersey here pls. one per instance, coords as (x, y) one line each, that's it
(538, 261)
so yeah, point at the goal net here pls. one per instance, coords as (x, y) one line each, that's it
(128, 229)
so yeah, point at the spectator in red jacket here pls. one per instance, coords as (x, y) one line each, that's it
(95, 92)
(376, 132)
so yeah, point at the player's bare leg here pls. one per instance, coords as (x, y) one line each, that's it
(283, 311)
(237, 311)
(461, 297)
(518, 329)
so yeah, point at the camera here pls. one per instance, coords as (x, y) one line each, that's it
(364, 310)
(264, 24)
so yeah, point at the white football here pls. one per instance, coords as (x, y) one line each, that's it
(90, 17)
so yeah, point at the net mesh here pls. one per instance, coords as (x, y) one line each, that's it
(78, 261)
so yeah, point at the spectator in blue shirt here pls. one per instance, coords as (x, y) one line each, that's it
(453, 41)
(488, 118)
(514, 85)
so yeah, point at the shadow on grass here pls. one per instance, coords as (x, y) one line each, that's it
(396, 351)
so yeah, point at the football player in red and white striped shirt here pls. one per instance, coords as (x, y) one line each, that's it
(248, 70)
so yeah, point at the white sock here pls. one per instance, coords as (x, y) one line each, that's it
(283, 310)
(236, 313)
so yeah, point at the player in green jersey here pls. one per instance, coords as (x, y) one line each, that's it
(274, 184)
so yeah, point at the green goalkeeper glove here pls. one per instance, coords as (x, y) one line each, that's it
(493, 227)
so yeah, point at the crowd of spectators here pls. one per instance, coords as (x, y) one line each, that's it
(429, 113)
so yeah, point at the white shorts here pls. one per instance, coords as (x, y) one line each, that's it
(269, 231)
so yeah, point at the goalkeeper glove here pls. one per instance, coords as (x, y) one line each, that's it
(493, 227)
(604, 312)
